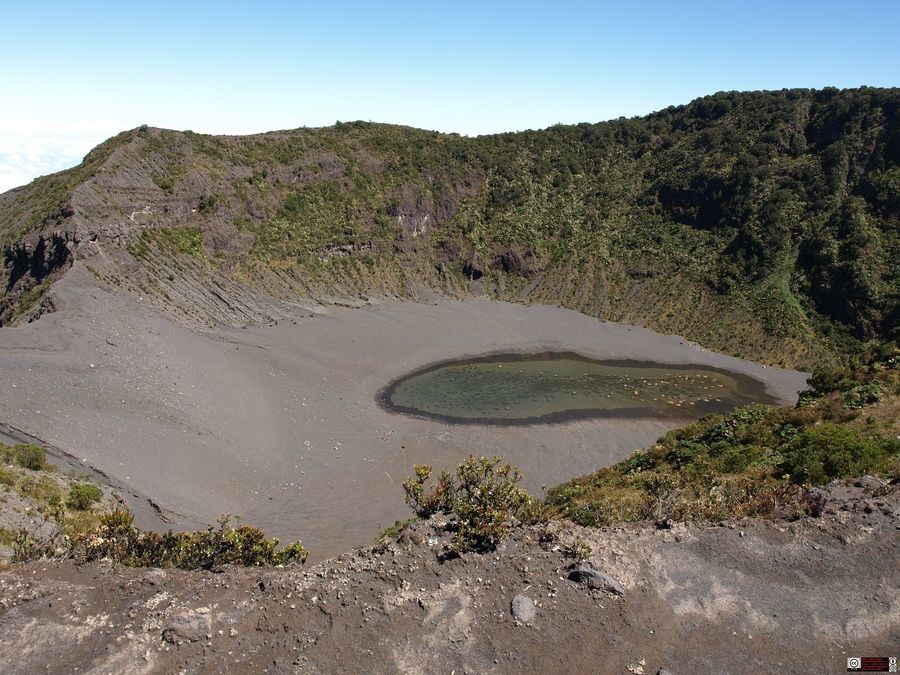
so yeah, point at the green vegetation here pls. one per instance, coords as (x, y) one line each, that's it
(31, 298)
(185, 240)
(163, 181)
(27, 456)
(80, 530)
(83, 495)
(393, 531)
(309, 220)
(762, 223)
(42, 489)
(117, 538)
(483, 497)
(62, 507)
(46, 200)
(755, 462)
(828, 451)
(7, 477)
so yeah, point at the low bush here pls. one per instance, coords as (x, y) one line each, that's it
(117, 538)
(862, 395)
(426, 504)
(819, 454)
(83, 495)
(30, 456)
(7, 536)
(483, 496)
(393, 531)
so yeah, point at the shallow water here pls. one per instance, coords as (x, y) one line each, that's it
(559, 386)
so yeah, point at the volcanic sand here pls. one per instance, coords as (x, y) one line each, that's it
(280, 424)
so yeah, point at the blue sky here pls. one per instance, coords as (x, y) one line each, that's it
(75, 73)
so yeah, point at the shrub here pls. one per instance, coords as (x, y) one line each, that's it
(812, 503)
(819, 454)
(862, 395)
(7, 536)
(30, 456)
(83, 495)
(440, 499)
(393, 531)
(483, 495)
(824, 380)
(117, 538)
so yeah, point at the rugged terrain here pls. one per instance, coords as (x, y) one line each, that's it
(760, 224)
(206, 320)
(752, 596)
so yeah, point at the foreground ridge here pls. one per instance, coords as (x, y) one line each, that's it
(744, 596)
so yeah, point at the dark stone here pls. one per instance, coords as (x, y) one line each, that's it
(587, 574)
(187, 627)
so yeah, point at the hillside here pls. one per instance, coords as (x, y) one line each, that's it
(762, 224)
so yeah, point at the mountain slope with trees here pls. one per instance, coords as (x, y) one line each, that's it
(764, 224)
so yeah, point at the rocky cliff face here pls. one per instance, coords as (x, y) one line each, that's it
(31, 266)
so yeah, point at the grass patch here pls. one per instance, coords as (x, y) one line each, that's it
(7, 477)
(7, 536)
(32, 298)
(393, 531)
(42, 489)
(184, 240)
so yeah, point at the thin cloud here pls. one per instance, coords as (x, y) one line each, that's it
(24, 157)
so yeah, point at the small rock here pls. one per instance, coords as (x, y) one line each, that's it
(870, 483)
(523, 609)
(409, 536)
(186, 627)
(154, 577)
(663, 671)
(595, 579)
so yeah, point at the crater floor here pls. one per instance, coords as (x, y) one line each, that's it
(280, 424)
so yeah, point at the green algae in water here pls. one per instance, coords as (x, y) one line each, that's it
(556, 387)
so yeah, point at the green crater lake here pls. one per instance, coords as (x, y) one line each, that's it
(561, 386)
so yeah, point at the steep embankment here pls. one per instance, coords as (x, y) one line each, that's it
(762, 224)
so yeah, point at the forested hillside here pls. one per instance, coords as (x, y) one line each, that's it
(764, 224)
